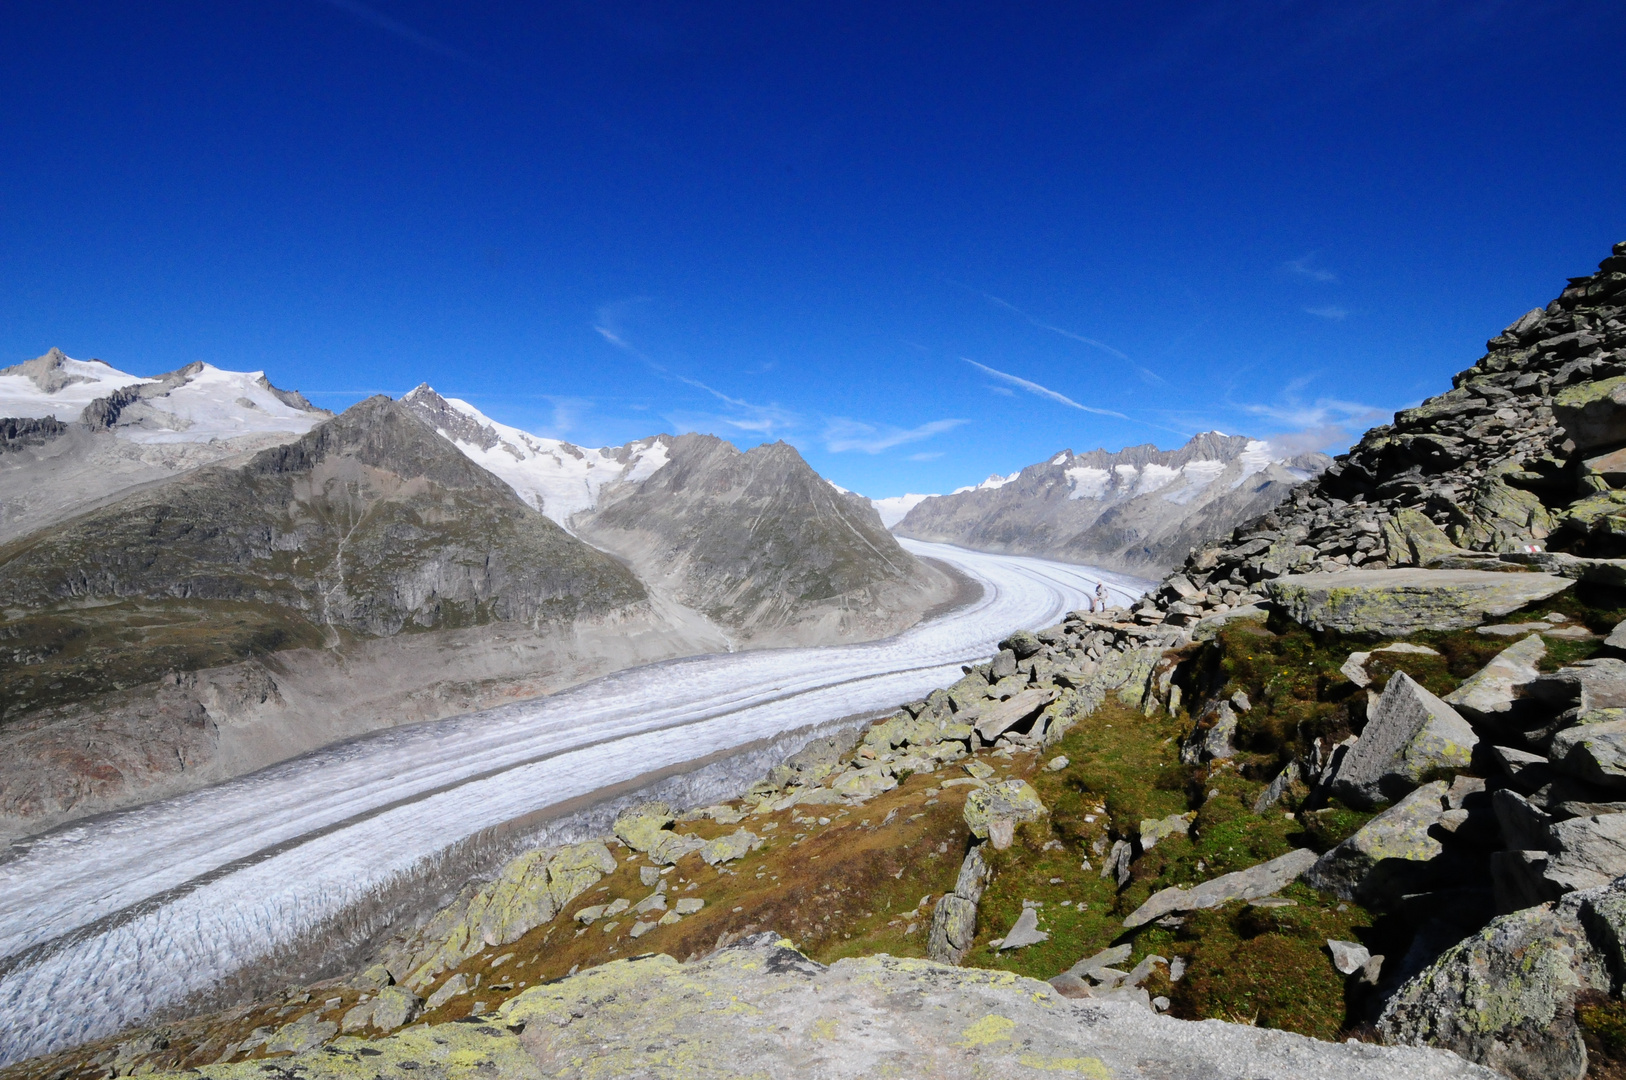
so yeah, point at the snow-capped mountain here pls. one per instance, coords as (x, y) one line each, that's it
(556, 477)
(58, 386)
(1138, 510)
(198, 403)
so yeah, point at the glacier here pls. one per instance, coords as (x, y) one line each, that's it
(107, 921)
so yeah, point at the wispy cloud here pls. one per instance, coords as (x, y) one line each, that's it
(926, 455)
(1303, 268)
(1330, 311)
(1146, 374)
(768, 420)
(400, 29)
(1041, 391)
(1325, 424)
(841, 434)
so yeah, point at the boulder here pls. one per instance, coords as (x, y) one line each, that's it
(394, 1007)
(1491, 693)
(735, 845)
(1393, 603)
(1389, 855)
(1291, 773)
(993, 812)
(308, 1031)
(640, 826)
(1090, 966)
(954, 928)
(688, 905)
(1348, 956)
(1586, 852)
(1023, 644)
(519, 899)
(1411, 735)
(1586, 685)
(864, 783)
(1527, 771)
(1250, 884)
(455, 986)
(1593, 752)
(669, 847)
(576, 868)
(1616, 641)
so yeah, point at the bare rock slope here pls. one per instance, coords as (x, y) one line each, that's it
(763, 545)
(1140, 510)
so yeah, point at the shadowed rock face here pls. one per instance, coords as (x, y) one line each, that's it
(759, 542)
(1139, 510)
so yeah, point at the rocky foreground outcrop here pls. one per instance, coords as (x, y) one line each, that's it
(760, 1008)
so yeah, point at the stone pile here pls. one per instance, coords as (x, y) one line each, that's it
(1520, 454)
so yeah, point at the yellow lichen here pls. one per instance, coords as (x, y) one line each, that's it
(1092, 1067)
(990, 1029)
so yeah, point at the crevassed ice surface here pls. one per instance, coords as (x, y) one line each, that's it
(106, 921)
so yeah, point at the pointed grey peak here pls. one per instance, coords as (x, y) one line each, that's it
(46, 371)
(291, 398)
(439, 413)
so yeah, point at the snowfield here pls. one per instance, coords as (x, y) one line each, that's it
(106, 921)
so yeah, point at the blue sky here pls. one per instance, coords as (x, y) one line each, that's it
(921, 242)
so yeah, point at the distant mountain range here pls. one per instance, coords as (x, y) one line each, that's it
(1139, 511)
(201, 574)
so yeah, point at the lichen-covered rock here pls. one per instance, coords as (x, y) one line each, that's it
(954, 928)
(576, 868)
(992, 812)
(994, 720)
(761, 1009)
(1393, 603)
(735, 845)
(1505, 996)
(640, 826)
(308, 1031)
(395, 1006)
(670, 846)
(1153, 830)
(1388, 855)
(864, 783)
(441, 1052)
(1592, 413)
(1410, 736)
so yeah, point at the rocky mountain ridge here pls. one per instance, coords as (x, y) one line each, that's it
(1139, 510)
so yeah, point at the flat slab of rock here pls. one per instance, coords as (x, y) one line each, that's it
(1025, 931)
(995, 718)
(1249, 884)
(1404, 601)
(1490, 692)
(1411, 734)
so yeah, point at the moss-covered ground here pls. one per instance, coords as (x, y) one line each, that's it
(72, 653)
